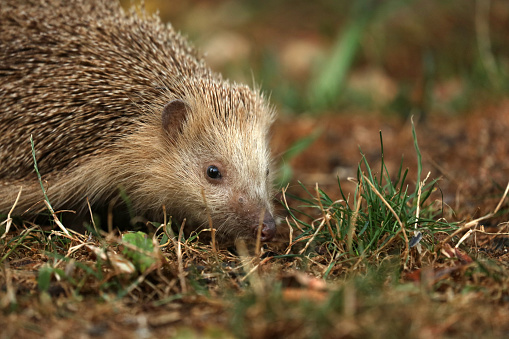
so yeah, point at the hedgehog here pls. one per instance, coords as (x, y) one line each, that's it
(117, 100)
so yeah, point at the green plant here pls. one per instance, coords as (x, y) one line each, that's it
(382, 212)
(141, 250)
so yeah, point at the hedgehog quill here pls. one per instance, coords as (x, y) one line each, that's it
(117, 99)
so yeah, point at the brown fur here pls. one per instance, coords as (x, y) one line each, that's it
(89, 82)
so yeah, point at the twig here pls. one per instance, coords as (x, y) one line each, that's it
(419, 192)
(91, 215)
(290, 240)
(179, 258)
(326, 216)
(318, 229)
(55, 218)
(502, 200)
(464, 237)
(475, 222)
(211, 226)
(288, 208)
(8, 221)
(259, 234)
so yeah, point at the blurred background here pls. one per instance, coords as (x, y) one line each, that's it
(378, 56)
(340, 72)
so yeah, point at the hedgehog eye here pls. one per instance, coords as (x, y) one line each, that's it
(267, 172)
(213, 172)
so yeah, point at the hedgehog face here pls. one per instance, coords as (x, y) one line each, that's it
(239, 205)
(228, 170)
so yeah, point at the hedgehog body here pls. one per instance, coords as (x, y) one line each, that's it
(119, 100)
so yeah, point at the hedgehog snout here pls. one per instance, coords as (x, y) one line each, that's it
(268, 228)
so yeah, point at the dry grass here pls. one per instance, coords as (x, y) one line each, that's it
(455, 284)
(95, 290)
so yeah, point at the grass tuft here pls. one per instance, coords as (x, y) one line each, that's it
(378, 218)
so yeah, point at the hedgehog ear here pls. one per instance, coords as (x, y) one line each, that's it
(174, 114)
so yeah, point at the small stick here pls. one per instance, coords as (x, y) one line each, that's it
(179, 258)
(91, 214)
(290, 243)
(318, 229)
(502, 200)
(283, 191)
(212, 229)
(8, 221)
(259, 234)
(55, 218)
(418, 210)
(474, 223)
(325, 215)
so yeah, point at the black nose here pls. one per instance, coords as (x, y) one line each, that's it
(268, 228)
